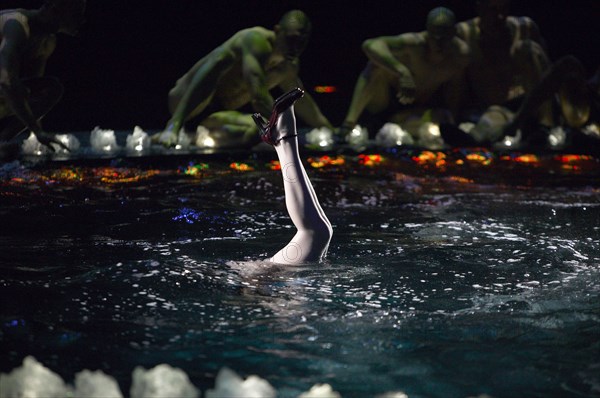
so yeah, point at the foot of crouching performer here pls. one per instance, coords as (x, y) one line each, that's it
(314, 230)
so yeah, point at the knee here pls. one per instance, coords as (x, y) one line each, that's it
(323, 233)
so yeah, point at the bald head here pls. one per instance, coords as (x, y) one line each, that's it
(296, 20)
(440, 28)
(441, 17)
(293, 32)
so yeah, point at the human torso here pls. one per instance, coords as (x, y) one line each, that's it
(493, 73)
(233, 90)
(429, 73)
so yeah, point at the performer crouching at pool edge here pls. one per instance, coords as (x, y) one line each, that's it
(314, 230)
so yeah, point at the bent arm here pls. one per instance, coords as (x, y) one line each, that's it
(380, 51)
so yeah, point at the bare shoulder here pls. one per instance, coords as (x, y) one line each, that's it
(525, 26)
(401, 42)
(254, 32)
(15, 17)
(413, 38)
(468, 30)
(256, 39)
(521, 21)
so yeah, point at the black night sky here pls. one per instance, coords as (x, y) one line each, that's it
(130, 52)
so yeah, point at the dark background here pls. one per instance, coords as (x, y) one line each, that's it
(130, 52)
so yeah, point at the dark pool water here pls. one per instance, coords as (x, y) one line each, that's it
(435, 285)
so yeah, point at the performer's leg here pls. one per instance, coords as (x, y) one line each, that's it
(314, 233)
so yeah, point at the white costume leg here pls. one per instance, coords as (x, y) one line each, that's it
(314, 233)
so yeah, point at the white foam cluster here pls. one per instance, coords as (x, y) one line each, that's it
(31, 145)
(430, 137)
(357, 137)
(321, 138)
(490, 126)
(162, 381)
(68, 140)
(229, 384)
(203, 138)
(103, 140)
(183, 140)
(34, 380)
(509, 141)
(391, 134)
(320, 391)
(557, 137)
(138, 141)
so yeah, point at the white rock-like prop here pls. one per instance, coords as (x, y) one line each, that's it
(592, 130)
(183, 141)
(69, 140)
(96, 384)
(467, 127)
(391, 134)
(490, 126)
(229, 385)
(357, 137)
(103, 140)
(430, 136)
(138, 141)
(395, 394)
(203, 138)
(557, 137)
(509, 142)
(320, 391)
(162, 381)
(32, 380)
(321, 138)
(31, 146)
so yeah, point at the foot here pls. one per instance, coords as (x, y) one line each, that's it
(168, 138)
(268, 129)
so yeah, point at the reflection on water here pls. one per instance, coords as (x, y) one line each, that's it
(435, 286)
